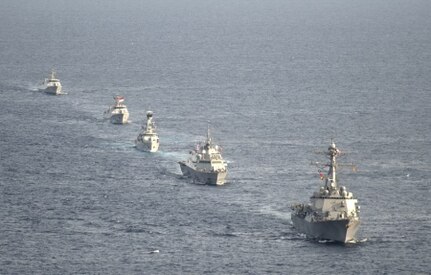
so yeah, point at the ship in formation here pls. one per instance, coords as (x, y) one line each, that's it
(52, 85)
(148, 140)
(205, 164)
(118, 113)
(333, 212)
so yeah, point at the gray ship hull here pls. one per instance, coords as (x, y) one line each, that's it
(52, 90)
(147, 147)
(119, 118)
(338, 230)
(210, 178)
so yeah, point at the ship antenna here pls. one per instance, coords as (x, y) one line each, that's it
(208, 134)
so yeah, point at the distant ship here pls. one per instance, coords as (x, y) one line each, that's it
(205, 164)
(148, 140)
(333, 213)
(52, 85)
(118, 113)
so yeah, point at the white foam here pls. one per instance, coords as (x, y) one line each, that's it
(279, 214)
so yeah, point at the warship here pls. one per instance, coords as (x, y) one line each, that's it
(205, 164)
(333, 213)
(52, 85)
(118, 113)
(148, 140)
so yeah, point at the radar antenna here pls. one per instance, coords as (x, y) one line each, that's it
(331, 177)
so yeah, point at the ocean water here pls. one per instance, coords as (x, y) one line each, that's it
(277, 80)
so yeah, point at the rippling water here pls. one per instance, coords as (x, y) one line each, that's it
(276, 79)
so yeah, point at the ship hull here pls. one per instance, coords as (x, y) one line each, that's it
(119, 118)
(339, 230)
(147, 147)
(210, 178)
(53, 90)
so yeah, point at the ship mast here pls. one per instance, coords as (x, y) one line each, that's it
(331, 180)
(208, 135)
(149, 126)
(52, 74)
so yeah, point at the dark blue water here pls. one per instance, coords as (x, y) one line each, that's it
(276, 79)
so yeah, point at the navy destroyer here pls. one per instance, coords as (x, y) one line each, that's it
(148, 140)
(333, 213)
(205, 164)
(52, 85)
(118, 113)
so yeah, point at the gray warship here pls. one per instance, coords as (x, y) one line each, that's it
(333, 213)
(52, 85)
(205, 164)
(118, 113)
(148, 140)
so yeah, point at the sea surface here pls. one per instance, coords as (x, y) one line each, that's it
(276, 80)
